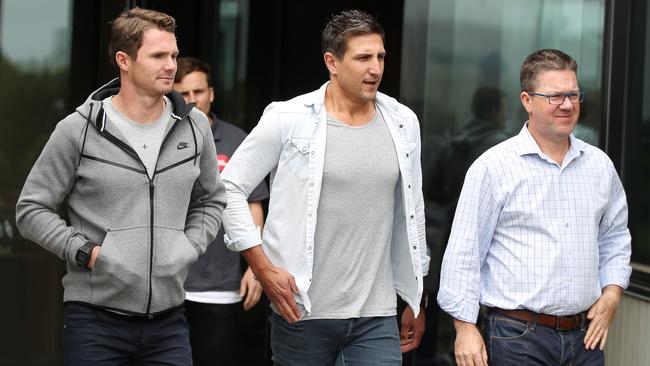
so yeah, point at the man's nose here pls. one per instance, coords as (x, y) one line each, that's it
(170, 64)
(566, 103)
(375, 66)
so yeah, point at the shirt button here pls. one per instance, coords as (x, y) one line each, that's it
(400, 126)
(412, 216)
(311, 184)
(414, 247)
(309, 248)
(407, 155)
(567, 224)
(313, 152)
(304, 149)
(309, 214)
(409, 186)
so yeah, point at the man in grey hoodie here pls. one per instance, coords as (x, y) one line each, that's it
(136, 170)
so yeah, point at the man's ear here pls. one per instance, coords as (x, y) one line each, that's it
(526, 101)
(330, 62)
(211, 91)
(123, 60)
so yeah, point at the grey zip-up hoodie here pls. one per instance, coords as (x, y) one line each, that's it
(150, 230)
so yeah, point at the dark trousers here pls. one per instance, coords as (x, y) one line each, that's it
(215, 333)
(99, 337)
(514, 342)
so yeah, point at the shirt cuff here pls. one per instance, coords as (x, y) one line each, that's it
(619, 277)
(457, 307)
(248, 240)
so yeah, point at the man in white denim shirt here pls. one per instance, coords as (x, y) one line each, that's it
(345, 229)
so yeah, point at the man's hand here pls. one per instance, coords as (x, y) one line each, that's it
(601, 315)
(412, 330)
(279, 286)
(249, 289)
(93, 257)
(469, 347)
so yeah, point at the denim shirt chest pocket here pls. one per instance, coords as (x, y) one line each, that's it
(296, 157)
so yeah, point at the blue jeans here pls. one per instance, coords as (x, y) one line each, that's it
(101, 338)
(511, 341)
(326, 342)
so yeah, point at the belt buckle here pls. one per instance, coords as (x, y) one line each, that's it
(573, 317)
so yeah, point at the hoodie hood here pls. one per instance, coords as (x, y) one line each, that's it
(92, 107)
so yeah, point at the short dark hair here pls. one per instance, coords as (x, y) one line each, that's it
(128, 29)
(544, 60)
(346, 24)
(188, 65)
(485, 101)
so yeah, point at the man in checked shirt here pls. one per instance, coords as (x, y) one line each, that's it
(539, 237)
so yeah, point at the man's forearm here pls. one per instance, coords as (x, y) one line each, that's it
(257, 259)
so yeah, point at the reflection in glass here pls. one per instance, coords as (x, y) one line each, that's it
(35, 38)
(637, 144)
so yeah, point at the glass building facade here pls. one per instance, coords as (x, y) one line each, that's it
(454, 62)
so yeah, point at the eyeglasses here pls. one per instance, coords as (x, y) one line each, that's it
(557, 99)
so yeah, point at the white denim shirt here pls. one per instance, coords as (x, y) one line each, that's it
(289, 143)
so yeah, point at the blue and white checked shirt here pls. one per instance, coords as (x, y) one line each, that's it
(531, 234)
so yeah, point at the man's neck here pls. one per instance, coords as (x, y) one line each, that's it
(139, 108)
(346, 110)
(556, 150)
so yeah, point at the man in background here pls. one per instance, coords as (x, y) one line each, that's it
(216, 291)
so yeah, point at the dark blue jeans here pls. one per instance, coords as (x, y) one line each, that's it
(98, 337)
(326, 342)
(514, 342)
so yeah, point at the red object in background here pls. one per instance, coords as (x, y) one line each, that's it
(222, 160)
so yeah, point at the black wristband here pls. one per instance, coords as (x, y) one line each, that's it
(84, 253)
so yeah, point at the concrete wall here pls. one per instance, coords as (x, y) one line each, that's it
(628, 341)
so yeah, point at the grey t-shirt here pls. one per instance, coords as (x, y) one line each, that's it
(352, 274)
(145, 139)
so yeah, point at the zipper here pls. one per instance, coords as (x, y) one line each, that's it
(151, 192)
(151, 211)
(128, 149)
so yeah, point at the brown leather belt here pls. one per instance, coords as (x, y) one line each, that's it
(568, 322)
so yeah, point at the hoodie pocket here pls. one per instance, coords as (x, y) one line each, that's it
(173, 256)
(120, 276)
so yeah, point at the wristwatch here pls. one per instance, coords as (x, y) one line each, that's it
(83, 254)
